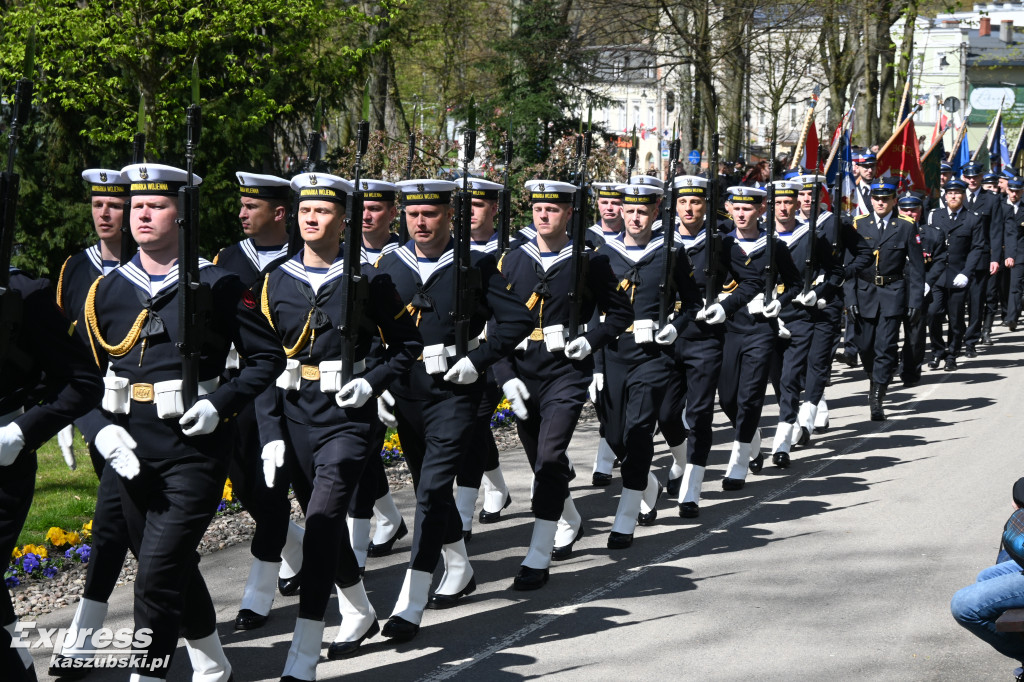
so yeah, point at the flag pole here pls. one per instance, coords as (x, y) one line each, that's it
(992, 126)
(906, 89)
(935, 143)
(899, 130)
(803, 136)
(959, 140)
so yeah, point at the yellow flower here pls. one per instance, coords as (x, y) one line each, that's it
(87, 528)
(72, 538)
(16, 554)
(228, 491)
(56, 536)
(38, 550)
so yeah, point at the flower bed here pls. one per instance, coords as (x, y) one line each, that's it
(62, 550)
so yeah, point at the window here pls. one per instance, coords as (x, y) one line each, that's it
(792, 115)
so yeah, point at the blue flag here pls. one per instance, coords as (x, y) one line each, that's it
(961, 157)
(999, 150)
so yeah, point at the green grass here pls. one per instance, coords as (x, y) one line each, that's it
(63, 498)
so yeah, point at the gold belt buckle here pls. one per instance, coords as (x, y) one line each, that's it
(311, 372)
(879, 280)
(537, 335)
(142, 393)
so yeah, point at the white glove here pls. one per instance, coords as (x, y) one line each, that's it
(386, 410)
(12, 441)
(354, 394)
(927, 288)
(822, 303)
(66, 441)
(515, 391)
(203, 418)
(578, 349)
(713, 314)
(273, 459)
(118, 447)
(783, 332)
(772, 308)
(960, 281)
(807, 299)
(463, 373)
(596, 386)
(756, 304)
(667, 335)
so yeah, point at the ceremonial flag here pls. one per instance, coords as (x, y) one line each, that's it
(962, 154)
(1018, 148)
(900, 157)
(905, 106)
(809, 159)
(851, 201)
(998, 151)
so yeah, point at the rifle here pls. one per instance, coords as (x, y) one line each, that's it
(578, 233)
(128, 245)
(403, 227)
(771, 277)
(10, 183)
(666, 301)
(194, 298)
(505, 203)
(353, 284)
(712, 274)
(466, 278)
(811, 262)
(312, 159)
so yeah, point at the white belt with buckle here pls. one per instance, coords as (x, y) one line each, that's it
(435, 357)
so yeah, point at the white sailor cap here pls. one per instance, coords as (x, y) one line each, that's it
(787, 188)
(741, 194)
(484, 189)
(808, 180)
(691, 185)
(607, 190)
(321, 187)
(640, 194)
(263, 186)
(550, 191)
(425, 191)
(646, 180)
(156, 179)
(104, 182)
(378, 190)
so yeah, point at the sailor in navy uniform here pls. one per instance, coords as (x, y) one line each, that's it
(481, 467)
(698, 351)
(751, 333)
(263, 214)
(609, 210)
(373, 495)
(172, 460)
(956, 250)
(546, 379)
(886, 292)
(40, 355)
(851, 250)
(436, 401)
(324, 428)
(108, 198)
(638, 365)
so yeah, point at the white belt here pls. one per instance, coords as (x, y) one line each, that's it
(554, 337)
(118, 395)
(11, 416)
(328, 373)
(435, 357)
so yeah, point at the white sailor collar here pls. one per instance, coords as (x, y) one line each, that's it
(95, 257)
(532, 250)
(407, 255)
(751, 247)
(619, 244)
(133, 272)
(248, 247)
(294, 268)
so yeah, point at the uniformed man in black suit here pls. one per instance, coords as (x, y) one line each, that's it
(864, 167)
(172, 459)
(1013, 227)
(40, 355)
(985, 204)
(108, 192)
(434, 402)
(955, 250)
(328, 431)
(912, 354)
(888, 291)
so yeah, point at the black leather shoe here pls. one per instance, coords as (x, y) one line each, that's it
(620, 540)
(934, 362)
(950, 364)
(530, 578)
(384, 548)
(672, 486)
(289, 586)
(446, 601)
(781, 460)
(249, 620)
(1012, 325)
(399, 629)
(616, 464)
(971, 352)
(56, 669)
(345, 649)
(650, 517)
(601, 480)
(804, 438)
(495, 516)
(733, 483)
(911, 380)
(565, 551)
(756, 463)
(689, 510)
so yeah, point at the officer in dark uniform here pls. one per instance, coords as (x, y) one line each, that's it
(984, 203)
(264, 215)
(39, 356)
(911, 205)
(108, 197)
(1013, 227)
(751, 333)
(999, 278)
(323, 427)
(864, 165)
(888, 291)
(956, 249)
(698, 350)
(434, 402)
(172, 461)
(546, 379)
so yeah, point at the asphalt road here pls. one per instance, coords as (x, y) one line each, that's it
(841, 567)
